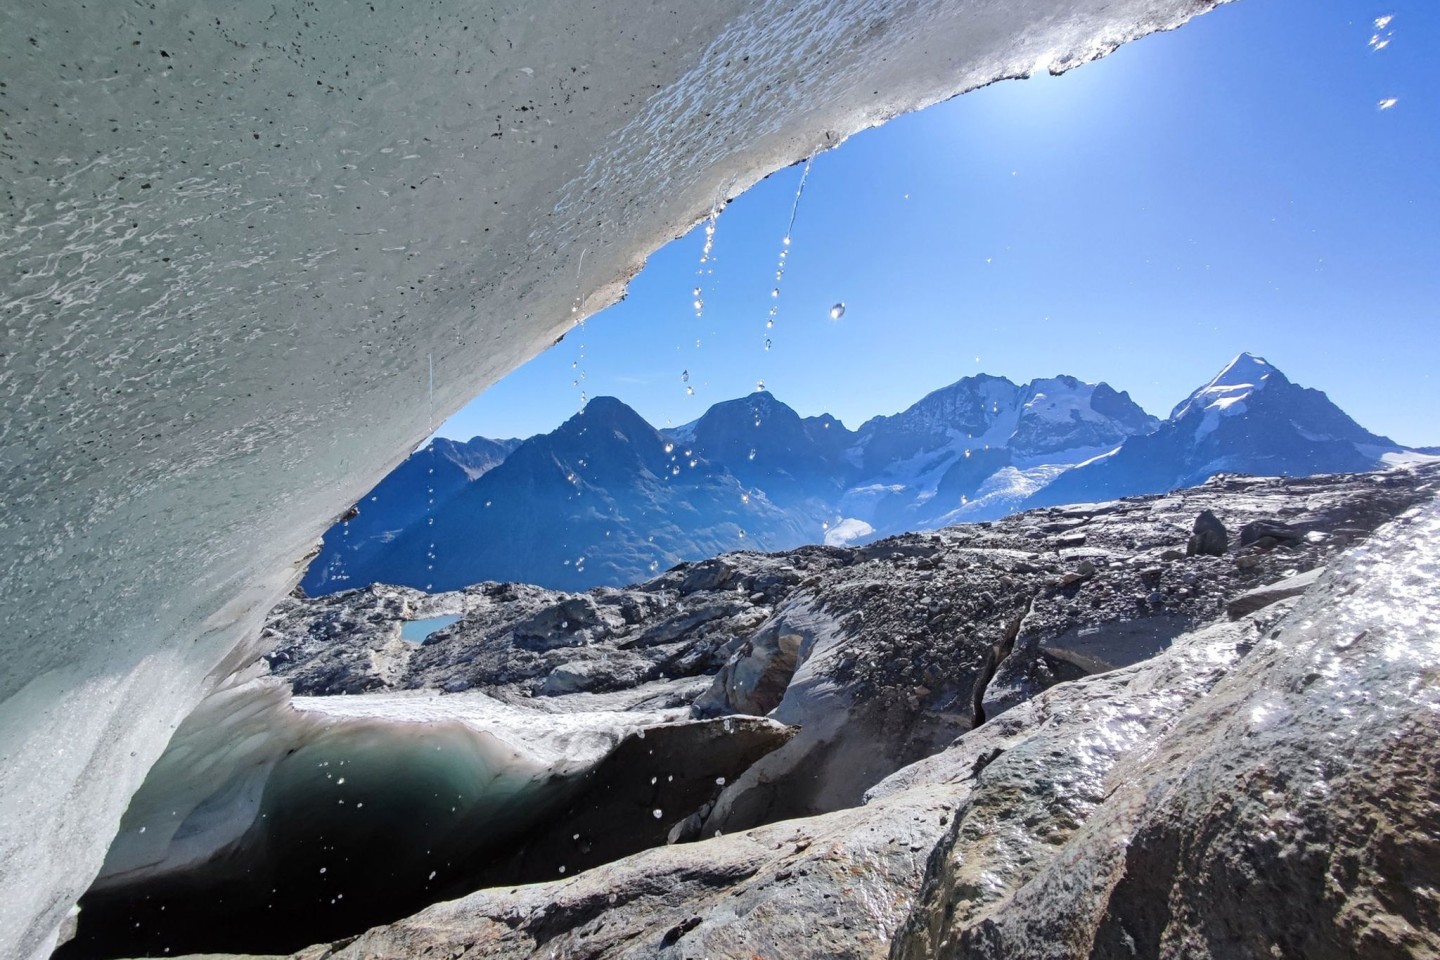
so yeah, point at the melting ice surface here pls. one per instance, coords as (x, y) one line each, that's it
(355, 806)
(415, 631)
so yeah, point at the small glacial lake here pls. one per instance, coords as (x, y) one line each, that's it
(415, 631)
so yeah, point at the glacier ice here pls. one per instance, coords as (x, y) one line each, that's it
(234, 234)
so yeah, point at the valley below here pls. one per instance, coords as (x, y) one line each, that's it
(1191, 724)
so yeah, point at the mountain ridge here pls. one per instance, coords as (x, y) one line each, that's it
(606, 498)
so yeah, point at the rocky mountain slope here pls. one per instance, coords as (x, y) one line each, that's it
(1249, 418)
(406, 498)
(1123, 692)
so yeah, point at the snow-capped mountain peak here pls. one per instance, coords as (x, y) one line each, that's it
(1241, 377)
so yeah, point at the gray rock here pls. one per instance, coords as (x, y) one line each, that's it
(1208, 537)
(1252, 600)
(1100, 647)
(1274, 530)
(566, 624)
(1272, 818)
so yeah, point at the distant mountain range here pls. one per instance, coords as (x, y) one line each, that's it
(607, 499)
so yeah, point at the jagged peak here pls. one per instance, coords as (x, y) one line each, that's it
(607, 412)
(1241, 377)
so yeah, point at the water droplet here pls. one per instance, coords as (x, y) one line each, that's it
(744, 498)
(669, 447)
(775, 292)
(837, 311)
(658, 813)
(654, 565)
(719, 781)
(759, 385)
(675, 471)
(684, 376)
(696, 292)
(786, 241)
(825, 525)
(690, 391)
(752, 455)
(1388, 102)
(742, 534)
(767, 343)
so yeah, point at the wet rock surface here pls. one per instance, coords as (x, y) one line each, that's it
(1050, 736)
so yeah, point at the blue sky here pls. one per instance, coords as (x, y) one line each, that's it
(1233, 185)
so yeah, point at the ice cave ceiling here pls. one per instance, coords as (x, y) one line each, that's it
(233, 237)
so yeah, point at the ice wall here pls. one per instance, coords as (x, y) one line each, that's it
(231, 236)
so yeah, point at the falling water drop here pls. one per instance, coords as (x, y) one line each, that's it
(684, 376)
(759, 385)
(837, 311)
(690, 391)
(669, 447)
(744, 498)
(752, 454)
(767, 343)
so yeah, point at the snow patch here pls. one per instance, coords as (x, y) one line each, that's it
(847, 531)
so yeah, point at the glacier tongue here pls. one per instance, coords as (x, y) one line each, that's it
(236, 235)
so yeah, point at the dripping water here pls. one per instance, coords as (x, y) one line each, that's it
(703, 273)
(782, 260)
(430, 479)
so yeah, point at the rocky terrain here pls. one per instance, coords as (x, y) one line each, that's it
(881, 654)
(965, 722)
